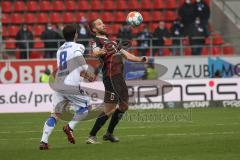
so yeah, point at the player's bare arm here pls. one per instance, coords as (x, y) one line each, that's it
(132, 57)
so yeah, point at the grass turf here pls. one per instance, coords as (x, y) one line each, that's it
(209, 134)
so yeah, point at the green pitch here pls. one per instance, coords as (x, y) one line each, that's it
(195, 134)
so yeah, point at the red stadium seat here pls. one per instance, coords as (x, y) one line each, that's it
(158, 16)
(217, 39)
(37, 30)
(6, 6)
(56, 17)
(43, 18)
(215, 51)
(6, 18)
(172, 4)
(185, 41)
(17, 18)
(10, 43)
(109, 5)
(208, 2)
(107, 17)
(134, 4)
(181, 2)
(122, 5)
(83, 5)
(159, 4)
(94, 15)
(115, 28)
(119, 16)
(207, 40)
(166, 52)
(58, 5)
(168, 42)
(4, 31)
(19, 6)
(38, 43)
(228, 49)
(146, 16)
(135, 30)
(170, 16)
(71, 5)
(12, 30)
(168, 25)
(146, 4)
(36, 55)
(153, 26)
(30, 18)
(205, 51)
(79, 15)
(69, 17)
(187, 51)
(97, 5)
(32, 6)
(45, 5)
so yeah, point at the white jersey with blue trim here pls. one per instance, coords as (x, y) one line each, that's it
(67, 52)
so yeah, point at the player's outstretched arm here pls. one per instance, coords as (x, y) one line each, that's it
(132, 57)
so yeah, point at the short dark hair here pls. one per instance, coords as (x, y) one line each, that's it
(91, 25)
(69, 32)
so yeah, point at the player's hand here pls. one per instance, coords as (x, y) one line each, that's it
(145, 59)
(92, 78)
(102, 51)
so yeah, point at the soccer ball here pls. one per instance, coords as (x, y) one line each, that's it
(134, 19)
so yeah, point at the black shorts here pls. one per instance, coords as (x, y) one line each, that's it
(116, 90)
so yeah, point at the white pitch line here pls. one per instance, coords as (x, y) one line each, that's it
(119, 128)
(3, 139)
(220, 124)
(143, 135)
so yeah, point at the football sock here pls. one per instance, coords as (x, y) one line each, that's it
(101, 120)
(48, 128)
(116, 117)
(78, 116)
(72, 124)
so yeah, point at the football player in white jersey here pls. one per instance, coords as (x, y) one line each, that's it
(72, 69)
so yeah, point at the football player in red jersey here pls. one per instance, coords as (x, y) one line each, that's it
(116, 91)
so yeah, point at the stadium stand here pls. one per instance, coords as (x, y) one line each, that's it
(37, 13)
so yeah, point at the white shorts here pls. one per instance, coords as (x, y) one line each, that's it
(60, 101)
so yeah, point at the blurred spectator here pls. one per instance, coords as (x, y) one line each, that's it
(44, 78)
(50, 38)
(160, 34)
(83, 33)
(24, 42)
(143, 41)
(203, 12)
(187, 15)
(176, 34)
(197, 36)
(59, 29)
(125, 32)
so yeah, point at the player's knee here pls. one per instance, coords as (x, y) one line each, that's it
(57, 116)
(109, 109)
(51, 121)
(123, 107)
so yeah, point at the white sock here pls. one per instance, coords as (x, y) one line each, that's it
(47, 130)
(76, 118)
(72, 124)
